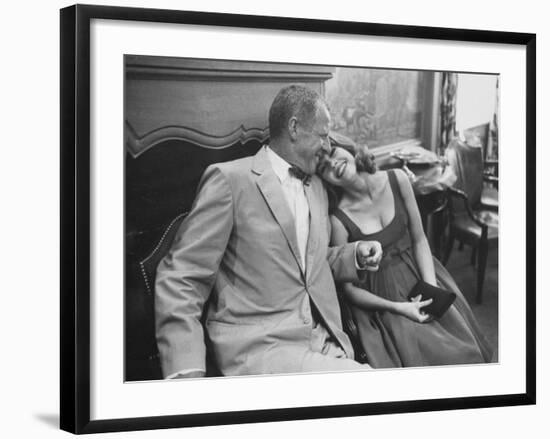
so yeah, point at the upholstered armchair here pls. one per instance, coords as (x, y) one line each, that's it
(148, 267)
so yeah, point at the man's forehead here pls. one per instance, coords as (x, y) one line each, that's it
(323, 115)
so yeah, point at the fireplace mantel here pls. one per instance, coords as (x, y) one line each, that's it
(209, 103)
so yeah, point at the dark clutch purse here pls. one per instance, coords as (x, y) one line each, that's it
(442, 299)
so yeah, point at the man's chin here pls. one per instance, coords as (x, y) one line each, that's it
(312, 168)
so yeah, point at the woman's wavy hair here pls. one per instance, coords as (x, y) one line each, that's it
(364, 162)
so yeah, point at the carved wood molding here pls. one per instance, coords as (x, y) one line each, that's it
(137, 145)
(150, 67)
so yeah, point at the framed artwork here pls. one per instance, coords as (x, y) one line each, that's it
(156, 105)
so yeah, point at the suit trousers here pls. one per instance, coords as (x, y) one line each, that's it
(325, 355)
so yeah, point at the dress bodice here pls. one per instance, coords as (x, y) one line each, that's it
(394, 237)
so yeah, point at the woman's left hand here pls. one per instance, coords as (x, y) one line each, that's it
(413, 310)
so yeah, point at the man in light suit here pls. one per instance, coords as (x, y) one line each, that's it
(256, 242)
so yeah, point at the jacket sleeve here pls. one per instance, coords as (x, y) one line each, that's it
(187, 273)
(341, 259)
(342, 263)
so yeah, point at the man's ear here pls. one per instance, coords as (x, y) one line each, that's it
(293, 128)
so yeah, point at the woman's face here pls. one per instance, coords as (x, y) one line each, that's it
(339, 167)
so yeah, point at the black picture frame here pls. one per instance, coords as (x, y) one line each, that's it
(75, 216)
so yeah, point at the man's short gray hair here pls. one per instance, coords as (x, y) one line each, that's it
(293, 101)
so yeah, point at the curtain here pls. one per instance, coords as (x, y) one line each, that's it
(492, 147)
(447, 121)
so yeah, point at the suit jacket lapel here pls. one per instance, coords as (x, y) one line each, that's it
(270, 187)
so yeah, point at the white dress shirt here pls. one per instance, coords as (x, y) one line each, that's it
(295, 195)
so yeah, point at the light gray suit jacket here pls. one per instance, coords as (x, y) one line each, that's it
(239, 244)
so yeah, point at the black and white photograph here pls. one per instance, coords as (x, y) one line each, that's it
(285, 218)
(277, 218)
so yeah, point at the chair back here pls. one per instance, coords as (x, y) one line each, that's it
(148, 266)
(142, 356)
(467, 163)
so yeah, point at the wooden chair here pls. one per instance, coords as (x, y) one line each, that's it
(470, 221)
(489, 196)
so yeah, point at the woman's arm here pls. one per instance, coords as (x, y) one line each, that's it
(421, 248)
(369, 301)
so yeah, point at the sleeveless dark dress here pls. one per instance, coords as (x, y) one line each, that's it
(391, 340)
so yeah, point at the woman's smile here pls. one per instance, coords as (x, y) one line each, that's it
(340, 168)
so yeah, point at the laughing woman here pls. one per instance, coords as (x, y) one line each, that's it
(393, 331)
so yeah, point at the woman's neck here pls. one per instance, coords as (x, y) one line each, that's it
(364, 185)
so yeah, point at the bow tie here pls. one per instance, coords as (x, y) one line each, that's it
(296, 172)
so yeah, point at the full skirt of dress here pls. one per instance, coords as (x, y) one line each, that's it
(392, 340)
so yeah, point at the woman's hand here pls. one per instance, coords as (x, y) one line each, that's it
(413, 309)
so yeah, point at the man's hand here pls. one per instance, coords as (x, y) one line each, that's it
(368, 254)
